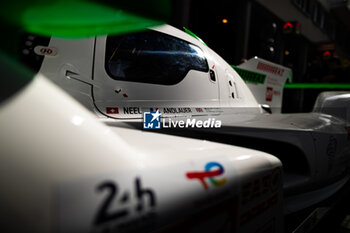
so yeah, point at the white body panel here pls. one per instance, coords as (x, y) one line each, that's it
(60, 166)
(313, 147)
(141, 95)
(335, 104)
(320, 141)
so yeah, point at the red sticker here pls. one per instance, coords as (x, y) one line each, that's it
(269, 93)
(112, 110)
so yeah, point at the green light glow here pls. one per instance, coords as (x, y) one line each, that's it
(76, 18)
(317, 85)
(82, 19)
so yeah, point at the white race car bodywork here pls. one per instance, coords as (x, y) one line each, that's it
(87, 65)
(64, 171)
(314, 148)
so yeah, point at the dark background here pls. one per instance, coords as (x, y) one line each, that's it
(316, 48)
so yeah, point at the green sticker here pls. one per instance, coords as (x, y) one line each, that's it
(250, 76)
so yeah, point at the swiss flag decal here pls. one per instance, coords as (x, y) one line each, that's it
(112, 110)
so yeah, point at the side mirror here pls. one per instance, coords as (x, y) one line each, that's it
(266, 108)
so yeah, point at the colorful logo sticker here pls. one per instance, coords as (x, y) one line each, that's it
(151, 120)
(45, 51)
(210, 174)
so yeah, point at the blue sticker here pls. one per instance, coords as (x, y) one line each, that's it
(151, 120)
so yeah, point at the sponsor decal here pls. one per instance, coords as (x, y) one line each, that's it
(45, 51)
(177, 110)
(199, 110)
(106, 204)
(112, 110)
(258, 187)
(142, 201)
(144, 197)
(269, 94)
(151, 120)
(270, 69)
(266, 187)
(274, 82)
(276, 92)
(212, 169)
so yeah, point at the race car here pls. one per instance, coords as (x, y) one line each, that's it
(64, 171)
(167, 72)
(117, 98)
